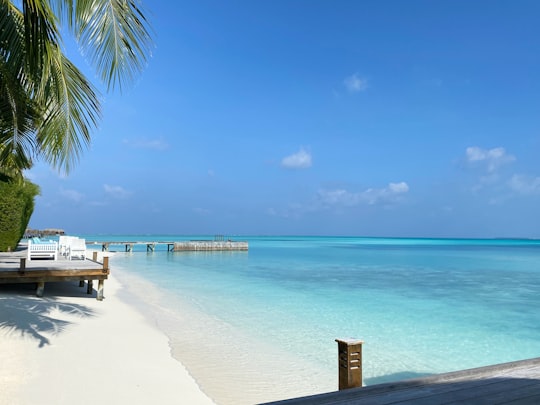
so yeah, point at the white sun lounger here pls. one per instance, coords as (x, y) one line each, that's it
(77, 249)
(72, 247)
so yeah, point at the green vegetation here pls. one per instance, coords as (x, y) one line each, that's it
(16, 206)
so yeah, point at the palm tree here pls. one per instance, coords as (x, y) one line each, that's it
(48, 108)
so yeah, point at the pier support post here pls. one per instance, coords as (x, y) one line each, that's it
(22, 266)
(349, 363)
(100, 290)
(40, 288)
(94, 256)
(90, 288)
(81, 283)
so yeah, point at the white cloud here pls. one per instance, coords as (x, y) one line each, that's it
(355, 84)
(116, 191)
(491, 159)
(371, 196)
(340, 198)
(397, 188)
(525, 184)
(299, 160)
(72, 195)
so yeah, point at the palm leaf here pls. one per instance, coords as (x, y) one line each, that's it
(18, 113)
(72, 111)
(40, 29)
(113, 34)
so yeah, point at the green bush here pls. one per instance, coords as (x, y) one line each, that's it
(16, 207)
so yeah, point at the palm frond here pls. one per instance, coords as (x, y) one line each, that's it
(113, 34)
(72, 110)
(12, 42)
(19, 116)
(40, 29)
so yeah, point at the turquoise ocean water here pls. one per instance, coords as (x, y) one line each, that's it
(422, 306)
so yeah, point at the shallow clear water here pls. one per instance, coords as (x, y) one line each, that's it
(422, 306)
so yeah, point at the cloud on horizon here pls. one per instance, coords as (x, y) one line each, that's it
(341, 198)
(116, 191)
(526, 185)
(371, 196)
(355, 84)
(489, 159)
(72, 195)
(299, 160)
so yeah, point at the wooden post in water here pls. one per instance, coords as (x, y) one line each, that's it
(89, 288)
(40, 288)
(349, 363)
(100, 290)
(101, 283)
(22, 266)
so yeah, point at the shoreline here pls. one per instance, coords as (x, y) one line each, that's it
(67, 348)
(231, 367)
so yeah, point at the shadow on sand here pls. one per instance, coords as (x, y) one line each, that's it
(23, 313)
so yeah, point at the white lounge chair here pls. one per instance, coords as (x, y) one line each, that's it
(38, 249)
(72, 247)
(77, 248)
(63, 246)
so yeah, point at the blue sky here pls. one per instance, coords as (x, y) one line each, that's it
(369, 118)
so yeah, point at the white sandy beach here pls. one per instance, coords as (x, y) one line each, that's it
(68, 348)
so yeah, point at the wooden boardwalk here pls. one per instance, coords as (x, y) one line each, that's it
(192, 245)
(14, 268)
(509, 383)
(128, 246)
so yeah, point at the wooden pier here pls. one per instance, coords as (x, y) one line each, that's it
(128, 246)
(210, 245)
(509, 383)
(192, 245)
(14, 268)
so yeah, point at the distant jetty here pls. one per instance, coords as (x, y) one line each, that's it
(30, 233)
(220, 243)
(209, 245)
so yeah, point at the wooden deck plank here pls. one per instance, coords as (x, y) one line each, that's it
(516, 382)
(526, 394)
(53, 272)
(32, 279)
(462, 392)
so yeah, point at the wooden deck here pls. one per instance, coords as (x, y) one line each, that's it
(509, 383)
(14, 268)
